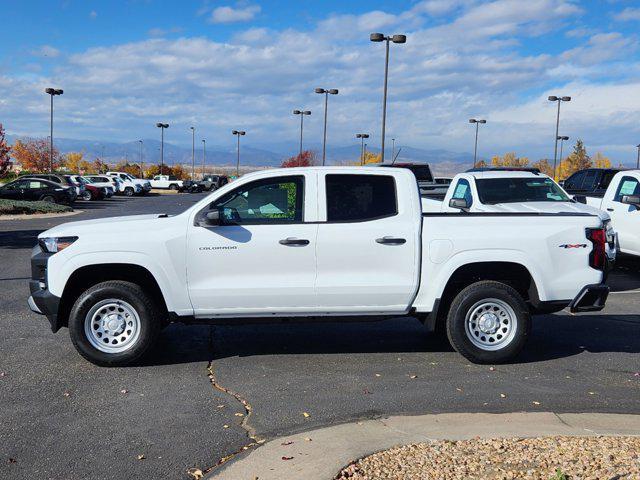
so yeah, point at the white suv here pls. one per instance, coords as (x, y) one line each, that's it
(145, 185)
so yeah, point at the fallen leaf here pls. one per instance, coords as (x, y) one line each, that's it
(225, 426)
(492, 369)
(287, 458)
(378, 375)
(3, 374)
(308, 439)
(124, 391)
(220, 406)
(536, 403)
(239, 414)
(305, 415)
(502, 395)
(637, 374)
(141, 457)
(66, 394)
(433, 363)
(413, 376)
(459, 389)
(592, 393)
(12, 460)
(286, 443)
(195, 473)
(366, 392)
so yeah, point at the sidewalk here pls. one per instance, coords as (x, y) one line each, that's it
(320, 454)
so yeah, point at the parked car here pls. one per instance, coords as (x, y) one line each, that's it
(126, 186)
(37, 189)
(591, 181)
(166, 182)
(427, 184)
(621, 200)
(513, 190)
(213, 182)
(145, 185)
(59, 179)
(303, 243)
(105, 181)
(108, 187)
(89, 192)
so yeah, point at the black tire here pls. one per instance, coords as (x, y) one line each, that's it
(86, 196)
(128, 191)
(173, 186)
(149, 323)
(470, 301)
(48, 199)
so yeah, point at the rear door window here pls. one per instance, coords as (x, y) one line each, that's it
(463, 191)
(574, 182)
(590, 181)
(358, 198)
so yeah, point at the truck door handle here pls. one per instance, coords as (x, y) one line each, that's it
(610, 209)
(294, 241)
(391, 241)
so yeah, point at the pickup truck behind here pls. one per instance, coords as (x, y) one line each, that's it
(621, 200)
(166, 182)
(318, 242)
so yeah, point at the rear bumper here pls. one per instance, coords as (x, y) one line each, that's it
(591, 298)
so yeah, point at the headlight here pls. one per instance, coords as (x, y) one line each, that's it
(55, 244)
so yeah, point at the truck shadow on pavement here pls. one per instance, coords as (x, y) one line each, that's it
(553, 337)
(19, 239)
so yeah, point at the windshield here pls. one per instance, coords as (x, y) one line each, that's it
(515, 190)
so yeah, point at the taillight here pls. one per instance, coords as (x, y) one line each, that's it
(597, 257)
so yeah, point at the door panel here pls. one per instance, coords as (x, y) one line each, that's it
(367, 250)
(262, 260)
(625, 218)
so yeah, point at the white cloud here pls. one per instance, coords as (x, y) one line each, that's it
(93, 15)
(628, 14)
(227, 14)
(161, 32)
(472, 64)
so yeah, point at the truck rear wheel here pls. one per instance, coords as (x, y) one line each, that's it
(488, 322)
(113, 324)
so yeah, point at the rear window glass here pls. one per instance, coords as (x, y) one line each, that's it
(515, 190)
(421, 172)
(360, 197)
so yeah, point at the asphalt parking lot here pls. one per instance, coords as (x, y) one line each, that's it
(63, 418)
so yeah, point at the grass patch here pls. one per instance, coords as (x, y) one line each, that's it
(20, 207)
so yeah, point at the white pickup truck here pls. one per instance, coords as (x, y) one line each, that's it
(166, 181)
(128, 180)
(621, 201)
(304, 243)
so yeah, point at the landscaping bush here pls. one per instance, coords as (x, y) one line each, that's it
(18, 207)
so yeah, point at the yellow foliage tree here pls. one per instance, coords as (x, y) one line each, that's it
(130, 168)
(370, 157)
(600, 161)
(544, 166)
(578, 160)
(509, 160)
(75, 163)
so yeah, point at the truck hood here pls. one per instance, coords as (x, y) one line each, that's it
(544, 207)
(111, 224)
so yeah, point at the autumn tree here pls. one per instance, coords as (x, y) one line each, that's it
(544, 166)
(177, 171)
(371, 158)
(509, 160)
(579, 159)
(600, 161)
(75, 162)
(98, 166)
(5, 161)
(130, 168)
(33, 155)
(304, 159)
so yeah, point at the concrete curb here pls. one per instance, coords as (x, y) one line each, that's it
(31, 216)
(320, 454)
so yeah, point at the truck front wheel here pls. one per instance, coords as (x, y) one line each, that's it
(488, 322)
(113, 324)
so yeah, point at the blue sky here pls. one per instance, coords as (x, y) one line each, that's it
(220, 65)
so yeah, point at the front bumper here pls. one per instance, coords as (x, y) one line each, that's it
(42, 301)
(591, 298)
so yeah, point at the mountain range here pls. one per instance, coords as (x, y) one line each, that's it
(271, 155)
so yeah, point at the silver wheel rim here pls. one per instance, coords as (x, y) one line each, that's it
(112, 326)
(491, 324)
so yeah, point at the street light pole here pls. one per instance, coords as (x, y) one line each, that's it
(326, 92)
(302, 113)
(475, 149)
(554, 98)
(162, 126)
(562, 139)
(204, 155)
(193, 152)
(362, 136)
(393, 148)
(379, 37)
(52, 92)
(638, 161)
(238, 133)
(141, 164)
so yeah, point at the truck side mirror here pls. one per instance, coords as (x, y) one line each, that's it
(580, 199)
(210, 219)
(460, 203)
(631, 200)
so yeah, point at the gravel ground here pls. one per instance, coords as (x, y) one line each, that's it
(547, 458)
